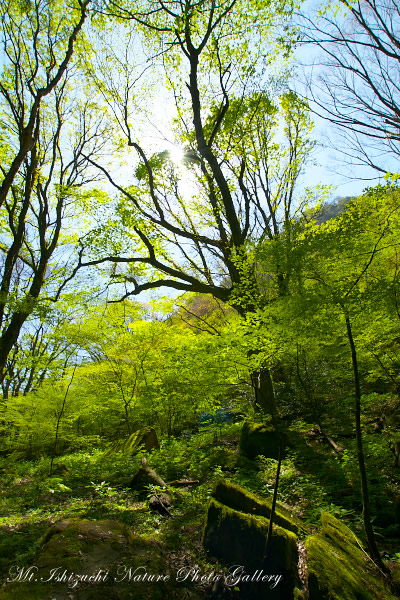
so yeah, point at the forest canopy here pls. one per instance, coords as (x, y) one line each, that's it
(168, 260)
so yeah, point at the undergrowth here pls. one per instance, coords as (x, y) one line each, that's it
(90, 485)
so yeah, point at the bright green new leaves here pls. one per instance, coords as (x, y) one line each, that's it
(140, 372)
(344, 269)
(38, 41)
(353, 257)
(48, 135)
(190, 222)
(134, 370)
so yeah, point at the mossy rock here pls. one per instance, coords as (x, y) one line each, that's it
(338, 567)
(146, 438)
(238, 539)
(259, 439)
(238, 498)
(61, 469)
(87, 560)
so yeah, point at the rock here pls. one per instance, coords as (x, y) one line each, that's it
(88, 560)
(239, 541)
(146, 437)
(161, 503)
(61, 469)
(332, 561)
(256, 439)
(338, 567)
(238, 498)
(142, 438)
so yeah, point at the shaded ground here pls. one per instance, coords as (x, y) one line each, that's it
(87, 486)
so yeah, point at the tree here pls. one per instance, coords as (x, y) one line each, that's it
(44, 349)
(41, 184)
(347, 281)
(243, 178)
(134, 372)
(356, 86)
(202, 313)
(38, 43)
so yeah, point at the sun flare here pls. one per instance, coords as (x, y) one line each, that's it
(176, 155)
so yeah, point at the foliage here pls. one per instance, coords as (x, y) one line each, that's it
(48, 134)
(286, 309)
(133, 373)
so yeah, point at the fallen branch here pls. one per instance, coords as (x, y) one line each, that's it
(160, 502)
(183, 482)
(338, 449)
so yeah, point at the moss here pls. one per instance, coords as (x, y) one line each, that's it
(257, 438)
(145, 437)
(236, 497)
(236, 538)
(19, 542)
(22, 591)
(341, 536)
(338, 568)
(84, 548)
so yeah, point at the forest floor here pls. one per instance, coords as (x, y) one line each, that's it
(90, 485)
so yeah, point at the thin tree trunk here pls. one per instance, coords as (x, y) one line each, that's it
(273, 506)
(369, 532)
(261, 379)
(60, 415)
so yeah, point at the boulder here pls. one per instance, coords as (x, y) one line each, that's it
(145, 437)
(239, 541)
(87, 560)
(259, 439)
(335, 565)
(238, 498)
(339, 568)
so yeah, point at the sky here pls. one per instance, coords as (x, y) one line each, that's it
(325, 171)
(310, 62)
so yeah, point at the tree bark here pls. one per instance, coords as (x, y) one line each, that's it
(369, 532)
(264, 392)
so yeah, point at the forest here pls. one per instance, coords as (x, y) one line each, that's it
(199, 332)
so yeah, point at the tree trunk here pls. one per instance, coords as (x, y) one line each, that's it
(149, 473)
(261, 379)
(369, 532)
(264, 392)
(160, 501)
